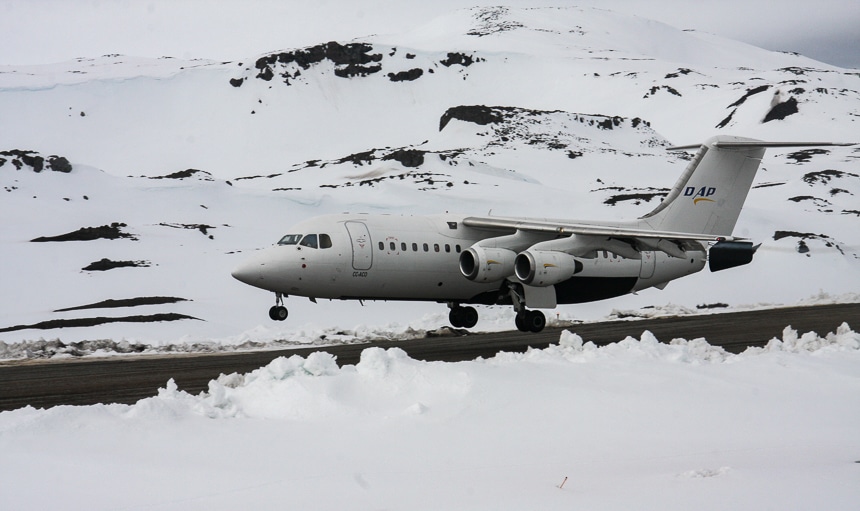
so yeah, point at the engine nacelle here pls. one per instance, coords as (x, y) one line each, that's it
(482, 264)
(728, 254)
(545, 267)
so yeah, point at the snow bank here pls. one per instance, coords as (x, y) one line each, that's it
(634, 425)
(389, 382)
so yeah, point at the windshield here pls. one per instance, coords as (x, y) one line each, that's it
(290, 239)
(310, 241)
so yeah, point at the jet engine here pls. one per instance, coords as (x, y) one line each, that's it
(728, 254)
(545, 267)
(482, 264)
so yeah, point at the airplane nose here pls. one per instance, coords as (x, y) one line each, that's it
(249, 273)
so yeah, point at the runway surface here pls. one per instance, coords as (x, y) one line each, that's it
(126, 379)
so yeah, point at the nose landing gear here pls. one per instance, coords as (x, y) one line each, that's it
(278, 312)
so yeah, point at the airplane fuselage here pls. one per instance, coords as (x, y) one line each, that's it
(383, 257)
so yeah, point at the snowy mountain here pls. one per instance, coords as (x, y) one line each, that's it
(131, 187)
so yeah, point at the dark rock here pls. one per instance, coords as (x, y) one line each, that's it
(59, 164)
(680, 71)
(412, 74)
(778, 235)
(28, 158)
(407, 157)
(782, 110)
(351, 70)
(805, 155)
(824, 176)
(110, 232)
(727, 120)
(88, 322)
(203, 228)
(657, 88)
(266, 74)
(187, 173)
(478, 114)
(718, 305)
(351, 60)
(637, 198)
(359, 158)
(750, 92)
(458, 58)
(107, 264)
(237, 82)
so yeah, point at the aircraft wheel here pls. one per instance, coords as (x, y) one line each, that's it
(455, 317)
(470, 317)
(463, 317)
(278, 313)
(535, 321)
(520, 321)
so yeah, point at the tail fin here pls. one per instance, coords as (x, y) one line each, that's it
(709, 195)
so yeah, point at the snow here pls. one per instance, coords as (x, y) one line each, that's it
(634, 425)
(272, 154)
(637, 424)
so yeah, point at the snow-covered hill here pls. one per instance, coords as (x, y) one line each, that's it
(163, 174)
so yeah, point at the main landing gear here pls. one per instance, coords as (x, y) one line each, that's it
(462, 317)
(530, 321)
(278, 312)
(526, 320)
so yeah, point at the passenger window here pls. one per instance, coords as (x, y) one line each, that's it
(415, 247)
(290, 239)
(309, 241)
(447, 248)
(392, 246)
(436, 247)
(426, 248)
(325, 241)
(458, 249)
(381, 246)
(403, 246)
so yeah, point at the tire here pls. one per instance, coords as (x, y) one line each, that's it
(470, 317)
(520, 321)
(535, 321)
(278, 313)
(456, 317)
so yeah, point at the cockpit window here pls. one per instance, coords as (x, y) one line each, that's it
(309, 241)
(290, 239)
(325, 241)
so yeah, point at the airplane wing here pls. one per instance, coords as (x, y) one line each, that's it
(625, 241)
(562, 228)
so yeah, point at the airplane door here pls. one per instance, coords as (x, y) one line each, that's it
(649, 263)
(362, 250)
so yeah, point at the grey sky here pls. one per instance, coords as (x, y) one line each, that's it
(44, 31)
(825, 30)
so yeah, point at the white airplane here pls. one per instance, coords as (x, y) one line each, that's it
(524, 262)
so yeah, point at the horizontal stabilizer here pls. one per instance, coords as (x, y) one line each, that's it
(745, 144)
